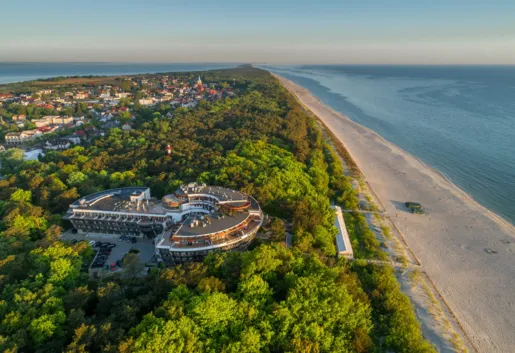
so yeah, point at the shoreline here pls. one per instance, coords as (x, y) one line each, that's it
(455, 188)
(453, 240)
(495, 217)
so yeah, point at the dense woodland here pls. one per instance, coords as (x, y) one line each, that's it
(268, 299)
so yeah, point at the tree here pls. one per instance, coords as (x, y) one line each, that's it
(126, 85)
(21, 195)
(76, 178)
(211, 284)
(278, 229)
(132, 265)
(12, 158)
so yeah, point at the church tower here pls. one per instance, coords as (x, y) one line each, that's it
(199, 84)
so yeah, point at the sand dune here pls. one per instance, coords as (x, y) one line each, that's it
(466, 250)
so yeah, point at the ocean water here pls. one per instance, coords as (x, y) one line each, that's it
(459, 120)
(16, 72)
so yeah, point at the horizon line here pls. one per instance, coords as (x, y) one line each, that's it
(251, 63)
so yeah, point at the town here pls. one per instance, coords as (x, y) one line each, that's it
(61, 116)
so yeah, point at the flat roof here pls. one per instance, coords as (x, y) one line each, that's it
(123, 204)
(343, 243)
(221, 193)
(119, 191)
(119, 200)
(217, 225)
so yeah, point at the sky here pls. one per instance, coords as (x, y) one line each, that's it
(263, 31)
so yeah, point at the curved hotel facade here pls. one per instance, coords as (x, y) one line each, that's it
(186, 225)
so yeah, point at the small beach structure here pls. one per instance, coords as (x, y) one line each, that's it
(343, 243)
(414, 207)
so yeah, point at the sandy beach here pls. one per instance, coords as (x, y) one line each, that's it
(466, 250)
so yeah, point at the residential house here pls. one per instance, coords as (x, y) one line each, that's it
(191, 104)
(42, 122)
(19, 138)
(74, 139)
(52, 120)
(81, 95)
(122, 94)
(47, 129)
(146, 101)
(58, 144)
(105, 94)
(111, 124)
(92, 131)
(5, 96)
(62, 120)
(20, 117)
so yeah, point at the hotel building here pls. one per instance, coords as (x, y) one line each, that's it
(186, 225)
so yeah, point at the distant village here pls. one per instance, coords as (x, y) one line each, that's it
(56, 119)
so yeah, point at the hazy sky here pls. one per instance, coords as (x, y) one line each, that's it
(272, 31)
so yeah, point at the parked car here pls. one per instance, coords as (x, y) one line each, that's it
(134, 240)
(119, 263)
(92, 242)
(113, 266)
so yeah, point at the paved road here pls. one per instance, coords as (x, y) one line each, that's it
(289, 240)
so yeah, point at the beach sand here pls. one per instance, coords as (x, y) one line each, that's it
(466, 250)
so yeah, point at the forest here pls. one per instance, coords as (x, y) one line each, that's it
(268, 299)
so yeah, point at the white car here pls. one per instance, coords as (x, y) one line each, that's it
(92, 243)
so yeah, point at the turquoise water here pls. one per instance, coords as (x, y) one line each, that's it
(16, 72)
(458, 119)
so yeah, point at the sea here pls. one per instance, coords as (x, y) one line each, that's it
(459, 120)
(17, 72)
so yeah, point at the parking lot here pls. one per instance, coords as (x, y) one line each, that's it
(145, 247)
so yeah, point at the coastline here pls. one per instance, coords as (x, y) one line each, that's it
(47, 70)
(467, 250)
